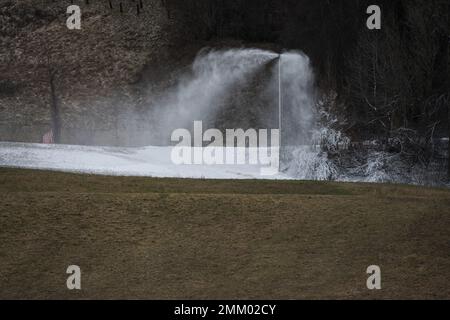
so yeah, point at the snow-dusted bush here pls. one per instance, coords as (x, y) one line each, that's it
(312, 162)
(327, 133)
(308, 163)
(329, 139)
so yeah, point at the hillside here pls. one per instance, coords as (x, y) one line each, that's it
(96, 68)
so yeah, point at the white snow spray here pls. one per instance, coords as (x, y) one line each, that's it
(299, 156)
(296, 98)
(281, 88)
(213, 73)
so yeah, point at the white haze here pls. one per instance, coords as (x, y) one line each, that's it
(199, 94)
(214, 76)
(297, 99)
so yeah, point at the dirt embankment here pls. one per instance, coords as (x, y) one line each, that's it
(98, 69)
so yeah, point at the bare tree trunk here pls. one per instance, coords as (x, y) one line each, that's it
(56, 121)
(166, 5)
(54, 107)
(441, 78)
(448, 147)
(446, 37)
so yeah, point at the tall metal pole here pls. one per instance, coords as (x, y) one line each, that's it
(279, 111)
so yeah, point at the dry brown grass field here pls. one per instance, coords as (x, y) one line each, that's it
(149, 238)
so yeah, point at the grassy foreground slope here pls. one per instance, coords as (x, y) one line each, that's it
(172, 238)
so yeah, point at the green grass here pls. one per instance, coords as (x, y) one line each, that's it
(219, 239)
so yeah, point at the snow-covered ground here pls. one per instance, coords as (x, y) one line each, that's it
(147, 161)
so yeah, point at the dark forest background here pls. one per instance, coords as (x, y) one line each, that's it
(391, 85)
